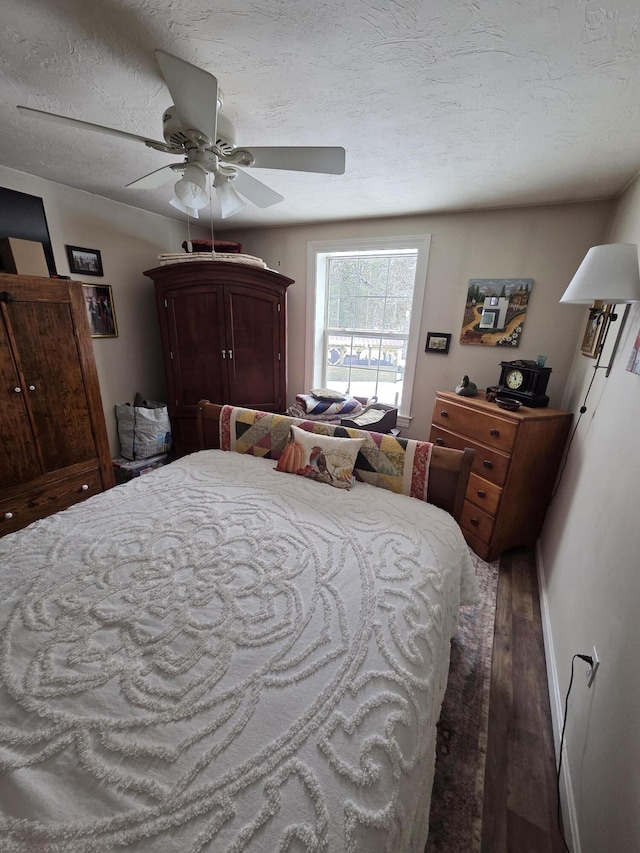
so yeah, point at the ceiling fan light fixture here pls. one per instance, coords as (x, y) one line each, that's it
(231, 202)
(191, 189)
(190, 211)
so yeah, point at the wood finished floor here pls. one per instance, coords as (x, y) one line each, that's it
(520, 803)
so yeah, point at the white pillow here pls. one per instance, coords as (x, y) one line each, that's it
(328, 395)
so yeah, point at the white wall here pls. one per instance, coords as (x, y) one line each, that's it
(590, 560)
(543, 243)
(130, 241)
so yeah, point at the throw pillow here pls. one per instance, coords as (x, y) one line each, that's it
(320, 457)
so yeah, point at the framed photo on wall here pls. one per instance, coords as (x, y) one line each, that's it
(438, 342)
(84, 261)
(594, 329)
(100, 310)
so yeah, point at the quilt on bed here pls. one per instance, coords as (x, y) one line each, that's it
(400, 465)
(219, 657)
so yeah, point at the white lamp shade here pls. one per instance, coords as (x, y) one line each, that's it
(190, 211)
(191, 189)
(230, 200)
(609, 274)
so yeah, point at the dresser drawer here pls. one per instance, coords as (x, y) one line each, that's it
(487, 463)
(477, 522)
(483, 427)
(28, 506)
(483, 493)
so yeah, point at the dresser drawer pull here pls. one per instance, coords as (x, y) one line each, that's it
(84, 487)
(440, 441)
(488, 463)
(8, 515)
(494, 432)
(481, 494)
(444, 413)
(474, 521)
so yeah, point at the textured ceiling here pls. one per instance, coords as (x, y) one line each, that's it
(440, 104)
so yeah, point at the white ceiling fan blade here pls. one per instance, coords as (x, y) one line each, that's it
(154, 179)
(194, 93)
(258, 193)
(85, 125)
(328, 161)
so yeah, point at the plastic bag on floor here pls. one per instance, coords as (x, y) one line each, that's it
(144, 428)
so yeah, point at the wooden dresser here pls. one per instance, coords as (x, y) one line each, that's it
(514, 470)
(53, 440)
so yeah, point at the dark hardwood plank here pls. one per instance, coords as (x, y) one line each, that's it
(494, 822)
(525, 837)
(520, 800)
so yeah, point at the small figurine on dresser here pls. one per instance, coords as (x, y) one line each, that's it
(466, 388)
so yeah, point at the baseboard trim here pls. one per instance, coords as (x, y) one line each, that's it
(556, 700)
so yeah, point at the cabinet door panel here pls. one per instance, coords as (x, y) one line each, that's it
(18, 457)
(196, 342)
(254, 337)
(50, 363)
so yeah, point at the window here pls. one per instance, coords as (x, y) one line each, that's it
(364, 313)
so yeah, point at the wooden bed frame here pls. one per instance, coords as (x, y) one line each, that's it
(448, 473)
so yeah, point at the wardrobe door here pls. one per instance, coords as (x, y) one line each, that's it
(54, 383)
(18, 458)
(255, 340)
(196, 361)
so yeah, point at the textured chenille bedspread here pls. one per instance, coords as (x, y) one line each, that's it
(221, 657)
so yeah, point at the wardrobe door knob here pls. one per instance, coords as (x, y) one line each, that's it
(8, 515)
(84, 487)
(17, 389)
(32, 387)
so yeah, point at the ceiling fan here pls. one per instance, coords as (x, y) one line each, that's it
(194, 128)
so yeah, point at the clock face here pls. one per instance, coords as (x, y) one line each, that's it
(514, 379)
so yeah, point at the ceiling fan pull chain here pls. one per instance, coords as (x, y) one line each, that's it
(213, 247)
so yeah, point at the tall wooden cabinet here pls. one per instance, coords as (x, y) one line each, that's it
(54, 450)
(223, 328)
(516, 461)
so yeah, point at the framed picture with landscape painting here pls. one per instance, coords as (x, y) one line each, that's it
(438, 342)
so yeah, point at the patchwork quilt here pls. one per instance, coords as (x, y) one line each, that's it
(400, 465)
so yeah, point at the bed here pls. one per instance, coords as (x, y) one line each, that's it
(219, 656)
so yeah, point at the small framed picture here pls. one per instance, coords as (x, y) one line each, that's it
(84, 261)
(100, 310)
(594, 330)
(438, 342)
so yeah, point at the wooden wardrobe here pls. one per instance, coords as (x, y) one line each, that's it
(224, 334)
(54, 449)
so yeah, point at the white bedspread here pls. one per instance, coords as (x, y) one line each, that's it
(221, 657)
